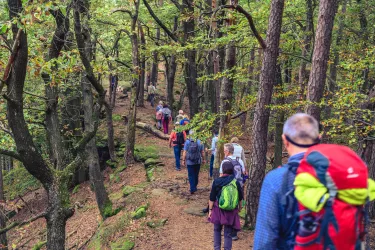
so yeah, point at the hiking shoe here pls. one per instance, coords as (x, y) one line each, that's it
(235, 237)
(178, 169)
(205, 210)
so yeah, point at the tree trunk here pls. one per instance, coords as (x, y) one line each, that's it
(279, 118)
(3, 237)
(110, 131)
(318, 74)
(262, 112)
(170, 68)
(190, 56)
(141, 92)
(130, 141)
(155, 66)
(302, 75)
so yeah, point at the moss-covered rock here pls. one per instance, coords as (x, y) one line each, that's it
(122, 245)
(121, 168)
(150, 174)
(153, 162)
(111, 163)
(127, 190)
(156, 223)
(39, 245)
(139, 212)
(141, 154)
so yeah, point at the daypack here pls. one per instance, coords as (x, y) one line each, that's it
(180, 139)
(332, 187)
(159, 115)
(193, 153)
(238, 175)
(229, 196)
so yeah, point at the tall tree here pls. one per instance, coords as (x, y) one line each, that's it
(262, 112)
(318, 74)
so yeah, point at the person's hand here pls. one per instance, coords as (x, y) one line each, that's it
(209, 213)
(204, 161)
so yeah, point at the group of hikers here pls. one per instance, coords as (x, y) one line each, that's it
(315, 201)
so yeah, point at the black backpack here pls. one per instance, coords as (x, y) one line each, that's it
(193, 153)
(180, 140)
(166, 116)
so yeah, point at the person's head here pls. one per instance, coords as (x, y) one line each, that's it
(227, 168)
(185, 116)
(300, 132)
(234, 140)
(180, 112)
(228, 149)
(161, 103)
(165, 105)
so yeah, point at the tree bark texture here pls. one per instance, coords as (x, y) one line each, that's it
(262, 112)
(171, 67)
(303, 74)
(318, 74)
(155, 60)
(3, 236)
(279, 123)
(190, 56)
(141, 91)
(92, 157)
(110, 131)
(130, 140)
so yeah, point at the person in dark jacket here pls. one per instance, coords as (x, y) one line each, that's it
(229, 219)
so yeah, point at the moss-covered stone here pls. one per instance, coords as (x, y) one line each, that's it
(122, 245)
(115, 196)
(127, 190)
(111, 163)
(141, 154)
(121, 168)
(39, 245)
(150, 174)
(153, 162)
(139, 212)
(157, 223)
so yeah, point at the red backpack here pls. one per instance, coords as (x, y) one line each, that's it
(331, 187)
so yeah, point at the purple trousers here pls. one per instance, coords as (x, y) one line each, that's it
(165, 126)
(227, 237)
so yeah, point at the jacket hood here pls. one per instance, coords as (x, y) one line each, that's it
(224, 180)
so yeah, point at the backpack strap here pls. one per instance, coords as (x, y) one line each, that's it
(231, 161)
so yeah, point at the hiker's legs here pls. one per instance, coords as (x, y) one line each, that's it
(165, 126)
(152, 96)
(159, 124)
(177, 154)
(191, 176)
(217, 236)
(197, 168)
(228, 237)
(212, 164)
(234, 234)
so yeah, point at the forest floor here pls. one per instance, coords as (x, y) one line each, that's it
(175, 215)
(173, 218)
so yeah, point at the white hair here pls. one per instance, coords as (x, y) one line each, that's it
(301, 127)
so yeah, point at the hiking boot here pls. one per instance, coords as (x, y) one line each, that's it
(205, 210)
(178, 169)
(235, 237)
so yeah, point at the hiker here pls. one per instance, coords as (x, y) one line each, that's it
(238, 150)
(215, 139)
(193, 157)
(239, 170)
(184, 122)
(272, 230)
(177, 139)
(180, 116)
(151, 94)
(166, 117)
(159, 115)
(225, 212)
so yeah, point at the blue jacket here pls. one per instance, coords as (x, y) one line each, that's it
(271, 223)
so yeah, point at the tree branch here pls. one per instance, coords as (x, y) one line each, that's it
(19, 224)
(177, 4)
(123, 10)
(10, 153)
(249, 18)
(160, 23)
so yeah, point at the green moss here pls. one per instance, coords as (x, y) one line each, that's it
(115, 196)
(140, 212)
(123, 244)
(120, 169)
(242, 213)
(39, 245)
(18, 181)
(109, 211)
(141, 153)
(127, 190)
(157, 223)
(153, 162)
(111, 163)
(116, 118)
(150, 174)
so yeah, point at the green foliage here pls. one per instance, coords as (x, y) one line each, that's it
(123, 244)
(142, 153)
(109, 211)
(116, 118)
(140, 212)
(127, 190)
(18, 182)
(76, 189)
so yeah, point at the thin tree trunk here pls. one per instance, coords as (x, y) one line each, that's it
(110, 132)
(318, 74)
(170, 68)
(130, 141)
(141, 88)
(155, 66)
(279, 117)
(303, 75)
(262, 112)
(3, 237)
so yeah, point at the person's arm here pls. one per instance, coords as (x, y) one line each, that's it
(184, 152)
(243, 158)
(202, 153)
(240, 195)
(184, 133)
(170, 140)
(267, 228)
